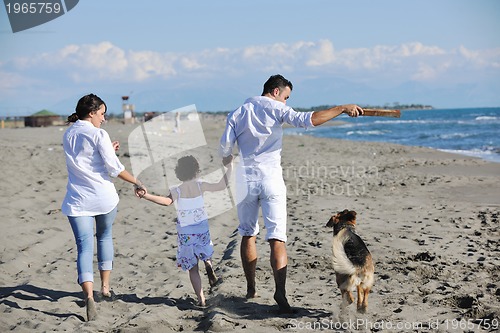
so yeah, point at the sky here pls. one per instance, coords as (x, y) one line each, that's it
(215, 54)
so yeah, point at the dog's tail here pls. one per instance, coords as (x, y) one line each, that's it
(341, 263)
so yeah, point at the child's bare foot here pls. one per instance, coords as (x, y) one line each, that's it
(213, 280)
(201, 302)
(216, 283)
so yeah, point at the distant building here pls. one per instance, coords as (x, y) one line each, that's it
(43, 118)
(150, 115)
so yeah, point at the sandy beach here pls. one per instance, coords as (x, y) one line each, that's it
(430, 220)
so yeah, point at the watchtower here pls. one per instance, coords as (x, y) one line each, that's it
(128, 111)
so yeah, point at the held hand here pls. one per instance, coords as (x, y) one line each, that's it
(352, 110)
(140, 193)
(116, 145)
(227, 160)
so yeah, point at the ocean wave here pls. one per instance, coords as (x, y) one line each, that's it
(375, 132)
(294, 133)
(486, 118)
(483, 154)
(350, 125)
(454, 136)
(415, 121)
(473, 121)
(446, 122)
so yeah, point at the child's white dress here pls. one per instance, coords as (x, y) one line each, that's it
(193, 235)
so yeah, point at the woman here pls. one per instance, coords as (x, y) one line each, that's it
(91, 196)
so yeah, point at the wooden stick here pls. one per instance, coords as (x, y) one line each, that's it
(381, 113)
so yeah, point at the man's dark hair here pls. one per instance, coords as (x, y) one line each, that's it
(276, 81)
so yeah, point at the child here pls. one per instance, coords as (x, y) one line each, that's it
(193, 235)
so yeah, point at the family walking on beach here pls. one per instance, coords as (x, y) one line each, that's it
(255, 127)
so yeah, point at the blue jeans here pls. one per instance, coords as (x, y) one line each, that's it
(83, 229)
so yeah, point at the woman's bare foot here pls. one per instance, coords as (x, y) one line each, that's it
(91, 309)
(105, 291)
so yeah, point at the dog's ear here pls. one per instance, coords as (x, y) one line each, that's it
(351, 216)
(331, 221)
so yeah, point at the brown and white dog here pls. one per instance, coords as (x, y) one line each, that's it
(352, 261)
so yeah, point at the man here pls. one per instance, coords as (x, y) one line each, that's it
(256, 127)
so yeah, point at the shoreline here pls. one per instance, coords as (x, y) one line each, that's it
(445, 151)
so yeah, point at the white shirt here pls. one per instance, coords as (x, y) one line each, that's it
(257, 128)
(91, 160)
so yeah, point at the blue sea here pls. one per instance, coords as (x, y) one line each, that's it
(471, 132)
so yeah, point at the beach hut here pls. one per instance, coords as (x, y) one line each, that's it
(43, 118)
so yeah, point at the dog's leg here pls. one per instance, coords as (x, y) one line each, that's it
(351, 298)
(363, 298)
(359, 289)
(344, 303)
(347, 298)
(344, 283)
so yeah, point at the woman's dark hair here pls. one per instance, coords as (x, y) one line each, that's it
(87, 104)
(187, 168)
(276, 81)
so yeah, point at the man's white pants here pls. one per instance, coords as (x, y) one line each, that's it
(268, 194)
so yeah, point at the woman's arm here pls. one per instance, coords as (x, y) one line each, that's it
(127, 176)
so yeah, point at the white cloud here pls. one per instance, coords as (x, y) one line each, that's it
(103, 61)
(100, 57)
(322, 55)
(418, 49)
(425, 72)
(109, 63)
(10, 80)
(146, 64)
(190, 63)
(481, 58)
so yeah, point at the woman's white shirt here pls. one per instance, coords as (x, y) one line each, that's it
(91, 162)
